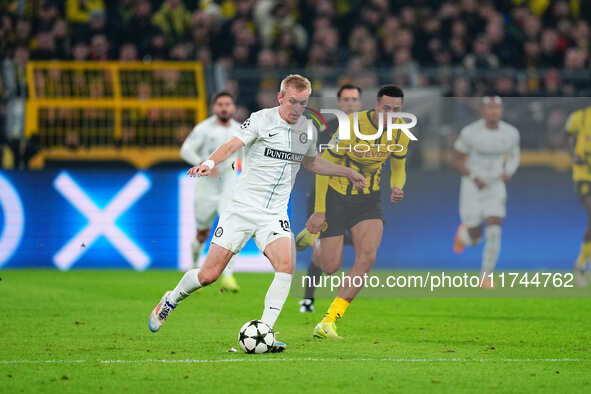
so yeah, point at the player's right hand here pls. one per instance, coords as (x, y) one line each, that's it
(199, 171)
(315, 222)
(357, 179)
(479, 183)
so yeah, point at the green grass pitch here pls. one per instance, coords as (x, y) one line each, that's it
(86, 331)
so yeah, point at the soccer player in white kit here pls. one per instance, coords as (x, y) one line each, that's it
(486, 154)
(276, 142)
(212, 193)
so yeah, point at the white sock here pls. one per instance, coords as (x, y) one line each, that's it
(467, 239)
(196, 248)
(229, 270)
(188, 284)
(492, 247)
(275, 298)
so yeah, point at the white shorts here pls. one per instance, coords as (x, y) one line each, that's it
(212, 195)
(239, 223)
(476, 205)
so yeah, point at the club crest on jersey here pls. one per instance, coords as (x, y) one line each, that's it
(245, 124)
(303, 138)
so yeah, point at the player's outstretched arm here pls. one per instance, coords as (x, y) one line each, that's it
(324, 167)
(222, 153)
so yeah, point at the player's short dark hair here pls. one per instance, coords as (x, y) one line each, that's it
(348, 86)
(390, 91)
(220, 95)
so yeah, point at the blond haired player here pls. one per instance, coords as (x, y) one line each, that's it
(276, 141)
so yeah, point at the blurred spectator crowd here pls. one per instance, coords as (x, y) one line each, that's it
(467, 47)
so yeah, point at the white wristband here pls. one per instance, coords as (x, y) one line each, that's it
(209, 163)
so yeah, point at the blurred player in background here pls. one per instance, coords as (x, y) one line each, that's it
(340, 207)
(578, 128)
(348, 101)
(276, 142)
(212, 193)
(486, 154)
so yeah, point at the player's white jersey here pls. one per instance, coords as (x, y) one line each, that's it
(273, 152)
(490, 152)
(205, 138)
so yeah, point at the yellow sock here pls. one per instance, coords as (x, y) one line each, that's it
(336, 310)
(584, 254)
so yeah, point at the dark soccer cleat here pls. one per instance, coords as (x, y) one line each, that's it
(307, 305)
(278, 347)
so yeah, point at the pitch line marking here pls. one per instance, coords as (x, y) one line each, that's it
(259, 359)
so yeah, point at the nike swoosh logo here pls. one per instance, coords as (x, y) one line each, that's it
(273, 135)
(277, 309)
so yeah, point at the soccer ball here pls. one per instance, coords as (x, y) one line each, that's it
(256, 336)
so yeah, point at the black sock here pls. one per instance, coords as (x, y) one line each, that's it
(314, 273)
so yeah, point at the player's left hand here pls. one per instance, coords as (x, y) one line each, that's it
(200, 170)
(397, 195)
(357, 179)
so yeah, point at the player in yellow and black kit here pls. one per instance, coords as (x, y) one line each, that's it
(348, 101)
(340, 206)
(578, 128)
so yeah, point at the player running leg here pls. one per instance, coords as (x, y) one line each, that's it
(280, 253)
(493, 203)
(205, 206)
(304, 239)
(228, 282)
(492, 248)
(215, 262)
(469, 232)
(367, 236)
(198, 244)
(327, 257)
(315, 274)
